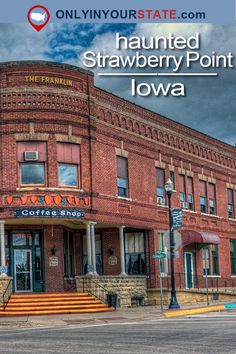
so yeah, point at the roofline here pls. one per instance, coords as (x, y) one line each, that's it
(8, 64)
(170, 119)
(89, 72)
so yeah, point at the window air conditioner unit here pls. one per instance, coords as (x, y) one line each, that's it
(31, 155)
(184, 205)
(160, 200)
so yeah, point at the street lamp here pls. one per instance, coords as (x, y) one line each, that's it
(173, 301)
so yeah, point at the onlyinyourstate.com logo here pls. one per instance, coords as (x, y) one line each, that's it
(38, 17)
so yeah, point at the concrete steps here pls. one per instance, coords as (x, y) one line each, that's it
(52, 303)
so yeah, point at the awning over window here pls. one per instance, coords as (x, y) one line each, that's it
(189, 236)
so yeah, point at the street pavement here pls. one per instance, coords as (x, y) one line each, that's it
(205, 333)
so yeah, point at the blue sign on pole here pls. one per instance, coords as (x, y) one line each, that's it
(177, 217)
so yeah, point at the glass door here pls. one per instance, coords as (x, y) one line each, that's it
(23, 270)
(189, 270)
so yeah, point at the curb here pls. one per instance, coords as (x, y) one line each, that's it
(176, 313)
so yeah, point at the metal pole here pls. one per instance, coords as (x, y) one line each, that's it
(173, 301)
(206, 276)
(161, 285)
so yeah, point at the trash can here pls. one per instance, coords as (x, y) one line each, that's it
(215, 296)
(112, 300)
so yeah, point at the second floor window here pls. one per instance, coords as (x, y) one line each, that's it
(212, 198)
(190, 193)
(160, 175)
(32, 173)
(182, 191)
(32, 157)
(203, 198)
(68, 175)
(68, 157)
(122, 176)
(230, 193)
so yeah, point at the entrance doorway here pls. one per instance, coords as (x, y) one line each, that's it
(23, 270)
(25, 260)
(188, 261)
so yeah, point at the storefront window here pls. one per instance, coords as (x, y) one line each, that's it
(68, 245)
(32, 173)
(135, 253)
(215, 259)
(68, 175)
(233, 256)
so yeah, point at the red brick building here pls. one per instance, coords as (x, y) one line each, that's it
(82, 184)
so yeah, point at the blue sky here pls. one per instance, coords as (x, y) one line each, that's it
(80, 37)
(209, 105)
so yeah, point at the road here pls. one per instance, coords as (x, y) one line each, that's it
(196, 334)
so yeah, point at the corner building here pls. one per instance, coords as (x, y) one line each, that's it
(82, 188)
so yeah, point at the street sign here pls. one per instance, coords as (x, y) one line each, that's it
(176, 218)
(159, 255)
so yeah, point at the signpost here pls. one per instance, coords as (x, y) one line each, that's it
(177, 217)
(206, 266)
(160, 255)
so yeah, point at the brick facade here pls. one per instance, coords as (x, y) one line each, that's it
(105, 126)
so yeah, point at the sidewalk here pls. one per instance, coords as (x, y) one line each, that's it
(120, 315)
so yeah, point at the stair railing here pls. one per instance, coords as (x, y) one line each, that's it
(93, 287)
(6, 295)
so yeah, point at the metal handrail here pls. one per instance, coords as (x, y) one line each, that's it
(95, 289)
(198, 282)
(6, 292)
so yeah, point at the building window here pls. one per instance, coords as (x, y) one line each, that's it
(230, 203)
(32, 173)
(32, 157)
(212, 198)
(68, 175)
(68, 157)
(135, 253)
(98, 248)
(68, 245)
(122, 176)
(163, 248)
(182, 194)
(190, 200)
(215, 259)
(160, 190)
(203, 198)
(233, 256)
(172, 178)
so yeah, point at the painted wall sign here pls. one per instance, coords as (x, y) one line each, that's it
(51, 200)
(49, 213)
(53, 261)
(49, 80)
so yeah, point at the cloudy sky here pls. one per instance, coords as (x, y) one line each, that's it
(209, 105)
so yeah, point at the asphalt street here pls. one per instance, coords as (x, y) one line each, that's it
(195, 334)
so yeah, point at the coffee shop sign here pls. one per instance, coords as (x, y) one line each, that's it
(49, 213)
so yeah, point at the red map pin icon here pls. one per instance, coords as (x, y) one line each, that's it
(38, 17)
